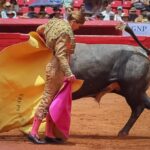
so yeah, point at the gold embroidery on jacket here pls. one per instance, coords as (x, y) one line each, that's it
(55, 28)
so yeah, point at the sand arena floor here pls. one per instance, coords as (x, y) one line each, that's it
(93, 127)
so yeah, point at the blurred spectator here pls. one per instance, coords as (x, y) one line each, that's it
(30, 14)
(142, 17)
(88, 14)
(148, 17)
(82, 8)
(95, 5)
(104, 4)
(92, 5)
(56, 13)
(42, 13)
(138, 4)
(132, 14)
(107, 13)
(97, 16)
(2, 2)
(147, 4)
(125, 17)
(88, 5)
(119, 14)
(112, 16)
(139, 19)
(7, 12)
(14, 5)
(144, 13)
(68, 6)
(11, 14)
(68, 3)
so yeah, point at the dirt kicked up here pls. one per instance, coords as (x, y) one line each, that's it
(93, 127)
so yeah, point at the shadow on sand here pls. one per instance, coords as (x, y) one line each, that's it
(104, 137)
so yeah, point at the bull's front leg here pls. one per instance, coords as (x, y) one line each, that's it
(136, 112)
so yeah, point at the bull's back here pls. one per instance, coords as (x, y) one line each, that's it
(96, 64)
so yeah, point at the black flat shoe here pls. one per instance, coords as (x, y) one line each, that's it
(35, 139)
(54, 140)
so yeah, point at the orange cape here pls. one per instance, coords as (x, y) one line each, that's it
(22, 78)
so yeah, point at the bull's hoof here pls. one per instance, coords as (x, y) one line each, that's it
(122, 134)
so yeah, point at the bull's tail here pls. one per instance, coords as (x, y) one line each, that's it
(130, 31)
(122, 26)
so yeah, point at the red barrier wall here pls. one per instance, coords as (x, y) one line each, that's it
(7, 39)
(106, 39)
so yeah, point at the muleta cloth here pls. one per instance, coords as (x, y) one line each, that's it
(60, 111)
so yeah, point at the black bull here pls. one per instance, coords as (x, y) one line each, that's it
(100, 65)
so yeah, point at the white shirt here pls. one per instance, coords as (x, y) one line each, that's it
(4, 14)
(118, 17)
(107, 14)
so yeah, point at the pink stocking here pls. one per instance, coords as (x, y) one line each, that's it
(49, 126)
(35, 126)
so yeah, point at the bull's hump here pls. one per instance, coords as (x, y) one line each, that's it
(106, 48)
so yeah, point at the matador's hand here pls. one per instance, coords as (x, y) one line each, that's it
(70, 78)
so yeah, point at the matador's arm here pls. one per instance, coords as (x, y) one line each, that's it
(62, 47)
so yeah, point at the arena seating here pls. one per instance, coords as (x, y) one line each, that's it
(115, 4)
(77, 3)
(37, 9)
(24, 4)
(24, 9)
(21, 2)
(127, 4)
(28, 2)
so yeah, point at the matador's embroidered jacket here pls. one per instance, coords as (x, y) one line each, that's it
(60, 38)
